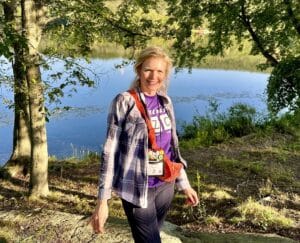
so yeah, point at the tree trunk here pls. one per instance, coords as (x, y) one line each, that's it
(39, 151)
(32, 17)
(20, 157)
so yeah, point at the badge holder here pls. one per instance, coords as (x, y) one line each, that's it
(155, 163)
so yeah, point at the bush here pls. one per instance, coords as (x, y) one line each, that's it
(217, 127)
(287, 123)
(283, 86)
(240, 120)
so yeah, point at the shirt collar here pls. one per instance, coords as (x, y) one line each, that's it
(159, 93)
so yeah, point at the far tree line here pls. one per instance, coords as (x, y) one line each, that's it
(273, 28)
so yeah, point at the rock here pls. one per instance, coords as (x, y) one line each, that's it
(55, 226)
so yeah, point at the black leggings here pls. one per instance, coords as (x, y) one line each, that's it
(146, 223)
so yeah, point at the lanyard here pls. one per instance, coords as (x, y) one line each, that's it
(141, 106)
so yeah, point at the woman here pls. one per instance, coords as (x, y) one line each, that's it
(125, 166)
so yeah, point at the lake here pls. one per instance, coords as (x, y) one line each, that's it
(83, 128)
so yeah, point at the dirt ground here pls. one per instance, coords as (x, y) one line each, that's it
(226, 168)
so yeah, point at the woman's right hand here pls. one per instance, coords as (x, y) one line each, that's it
(99, 216)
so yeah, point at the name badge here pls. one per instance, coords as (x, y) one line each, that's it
(156, 163)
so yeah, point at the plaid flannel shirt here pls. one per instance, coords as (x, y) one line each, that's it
(124, 156)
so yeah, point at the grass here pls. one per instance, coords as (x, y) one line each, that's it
(213, 220)
(7, 234)
(261, 215)
(249, 180)
(220, 194)
(231, 61)
(278, 172)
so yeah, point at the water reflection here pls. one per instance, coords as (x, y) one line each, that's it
(74, 112)
(217, 96)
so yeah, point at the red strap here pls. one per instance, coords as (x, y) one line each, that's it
(171, 169)
(140, 106)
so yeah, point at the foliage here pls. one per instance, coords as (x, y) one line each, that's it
(6, 37)
(65, 81)
(238, 121)
(73, 28)
(287, 123)
(272, 26)
(78, 26)
(215, 127)
(202, 28)
(284, 85)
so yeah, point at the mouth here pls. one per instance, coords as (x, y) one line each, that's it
(152, 82)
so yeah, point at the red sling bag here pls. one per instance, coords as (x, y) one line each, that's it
(171, 169)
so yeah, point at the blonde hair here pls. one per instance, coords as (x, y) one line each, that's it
(152, 51)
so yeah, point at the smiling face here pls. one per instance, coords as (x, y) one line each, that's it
(152, 74)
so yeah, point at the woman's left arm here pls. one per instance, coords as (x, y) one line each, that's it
(183, 184)
(182, 181)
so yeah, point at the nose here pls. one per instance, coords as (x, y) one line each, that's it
(153, 75)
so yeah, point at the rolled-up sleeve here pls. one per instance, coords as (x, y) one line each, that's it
(182, 181)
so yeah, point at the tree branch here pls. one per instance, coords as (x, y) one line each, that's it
(245, 20)
(124, 29)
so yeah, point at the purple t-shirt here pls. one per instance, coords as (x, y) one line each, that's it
(162, 126)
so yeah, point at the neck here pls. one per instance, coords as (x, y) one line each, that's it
(151, 93)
